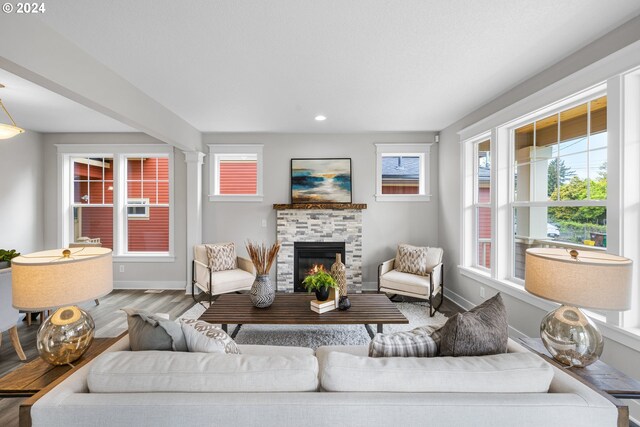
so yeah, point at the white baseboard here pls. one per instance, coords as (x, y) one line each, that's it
(458, 300)
(147, 284)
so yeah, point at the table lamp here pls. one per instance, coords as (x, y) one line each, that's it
(586, 279)
(62, 278)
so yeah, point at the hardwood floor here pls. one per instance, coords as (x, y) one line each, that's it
(110, 322)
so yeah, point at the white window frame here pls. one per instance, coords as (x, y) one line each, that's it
(142, 202)
(220, 151)
(119, 153)
(622, 79)
(421, 150)
(476, 204)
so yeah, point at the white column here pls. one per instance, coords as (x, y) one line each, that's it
(194, 160)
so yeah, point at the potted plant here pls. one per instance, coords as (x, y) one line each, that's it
(320, 282)
(6, 256)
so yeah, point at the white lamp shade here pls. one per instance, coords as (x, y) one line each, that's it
(596, 280)
(44, 280)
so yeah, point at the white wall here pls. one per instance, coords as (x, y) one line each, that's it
(159, 275)
(385, 224)
(21, 215)
(523, 317)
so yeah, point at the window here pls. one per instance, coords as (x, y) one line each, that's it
(560, 180)
(120, 200)
(482, 203)
(138, 208)
(402, 172)
(92, 202)
(236, 172)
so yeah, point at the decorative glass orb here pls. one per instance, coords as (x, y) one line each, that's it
(65, 335)
(571, 337)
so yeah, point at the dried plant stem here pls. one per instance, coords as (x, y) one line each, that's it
(261, 256)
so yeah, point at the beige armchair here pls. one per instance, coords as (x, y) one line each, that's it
(426, 287)
(219, 282)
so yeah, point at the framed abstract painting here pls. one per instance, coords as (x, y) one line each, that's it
(320, 181)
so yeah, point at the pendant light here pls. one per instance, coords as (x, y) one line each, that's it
(8, 131)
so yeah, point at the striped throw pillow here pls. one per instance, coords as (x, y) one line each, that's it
(420, 342)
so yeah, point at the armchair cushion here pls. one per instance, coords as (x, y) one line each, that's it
(411, 259)
(221, 256)
(405, 282)
(231, 281)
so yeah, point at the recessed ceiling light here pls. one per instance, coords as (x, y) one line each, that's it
(320, 118)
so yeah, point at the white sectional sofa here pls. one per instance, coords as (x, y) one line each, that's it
(337, 386)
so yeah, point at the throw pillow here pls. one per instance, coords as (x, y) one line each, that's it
(411, 259)
(203, 337)
(480, 331)
(150, 332)
(416, 343)
(222, 256)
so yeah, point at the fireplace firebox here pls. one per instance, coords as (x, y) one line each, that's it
(308, 254)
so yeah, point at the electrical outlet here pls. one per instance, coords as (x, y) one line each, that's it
(121, 268)
(481, 291)
(263, 223)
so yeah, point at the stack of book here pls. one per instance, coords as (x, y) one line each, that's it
(323, 306)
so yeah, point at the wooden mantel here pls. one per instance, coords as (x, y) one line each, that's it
(335, 206)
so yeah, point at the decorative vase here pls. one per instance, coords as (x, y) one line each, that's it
(344, 303)
(5, 264)
(339, 274)
(322, 294)
(262, 293)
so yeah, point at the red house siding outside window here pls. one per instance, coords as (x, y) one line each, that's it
(483, 203)
(93, 200)
(238, 176)
(148, 204)
(147, 192)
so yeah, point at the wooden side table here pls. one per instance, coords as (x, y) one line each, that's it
(606, 380)
(35, 378)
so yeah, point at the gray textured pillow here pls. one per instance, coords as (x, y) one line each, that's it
(480, 331)
(150, 332)
(418, 342)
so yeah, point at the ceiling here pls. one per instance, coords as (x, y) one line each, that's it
(41, 110)
(368, 65)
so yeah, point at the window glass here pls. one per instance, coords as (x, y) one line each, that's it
(238, 174)
(400, 174)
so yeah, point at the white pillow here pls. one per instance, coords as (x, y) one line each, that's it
(203, 337)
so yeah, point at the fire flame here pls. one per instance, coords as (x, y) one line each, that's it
(316, 268)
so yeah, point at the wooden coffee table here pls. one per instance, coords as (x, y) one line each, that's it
(293, 309)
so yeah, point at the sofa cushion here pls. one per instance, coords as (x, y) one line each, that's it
(415, 343)
(161, 371)
(275, 350)
(206, 338)
(222, 256)
(149, 331)
(413, 283)
(500, 373)
(480, 331)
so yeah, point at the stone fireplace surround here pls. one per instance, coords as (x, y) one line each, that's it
(319, 223)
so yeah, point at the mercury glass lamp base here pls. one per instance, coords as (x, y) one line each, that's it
(571, 337)
(65, 335)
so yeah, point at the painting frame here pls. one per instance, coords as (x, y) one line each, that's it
(319, 168)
